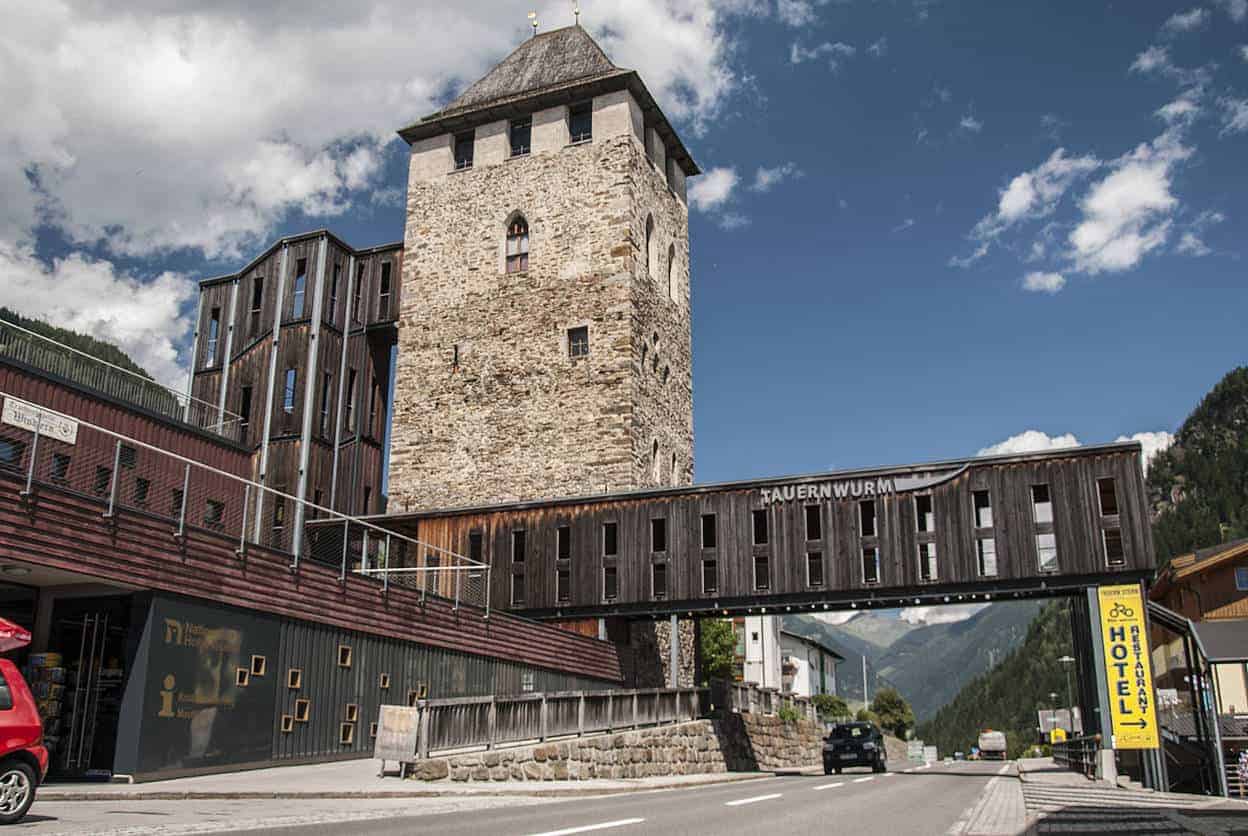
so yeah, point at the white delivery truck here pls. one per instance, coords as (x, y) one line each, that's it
(992, 745)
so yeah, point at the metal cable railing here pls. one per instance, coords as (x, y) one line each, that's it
(127, 476)
(39, 352)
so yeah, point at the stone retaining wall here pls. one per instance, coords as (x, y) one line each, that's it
(741, 742)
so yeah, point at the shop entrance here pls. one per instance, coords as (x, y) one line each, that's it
(88, 644)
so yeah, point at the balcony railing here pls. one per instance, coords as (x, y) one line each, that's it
(46, 355)
(125, 476)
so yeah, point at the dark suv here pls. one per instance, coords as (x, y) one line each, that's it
(854, 744)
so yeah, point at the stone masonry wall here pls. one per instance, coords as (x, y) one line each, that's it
(737, 743)
(765, 742)
(514, 417)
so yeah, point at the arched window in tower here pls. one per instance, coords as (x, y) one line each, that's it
(671, 262)
(651, 248)
(675, 476)
(654, 462)
(517, 245)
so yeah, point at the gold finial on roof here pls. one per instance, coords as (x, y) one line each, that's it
(533, 21)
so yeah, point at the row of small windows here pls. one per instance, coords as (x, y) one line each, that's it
(580, 125)
(926, 551)
(298, 303)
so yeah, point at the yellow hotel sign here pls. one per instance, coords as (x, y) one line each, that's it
(1127, 667)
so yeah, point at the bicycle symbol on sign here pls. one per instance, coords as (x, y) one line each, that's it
(1120, 610)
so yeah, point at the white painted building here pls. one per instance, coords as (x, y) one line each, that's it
(807, 667)
(771, 657)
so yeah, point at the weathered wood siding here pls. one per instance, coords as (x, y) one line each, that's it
(64, 530)
(1071, 477)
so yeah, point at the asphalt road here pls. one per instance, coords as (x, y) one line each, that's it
(923, 802)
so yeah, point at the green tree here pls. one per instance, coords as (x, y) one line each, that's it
(865, 715)
(830, 706)
(1197, 487)
(894, 712)
(1009, 697)
(718, 645)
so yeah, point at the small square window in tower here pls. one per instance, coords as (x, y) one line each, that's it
(463, 150)
(517, 245)
(578, 342)
(581, 122)
(520, 133)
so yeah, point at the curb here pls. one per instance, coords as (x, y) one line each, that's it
(485, 791)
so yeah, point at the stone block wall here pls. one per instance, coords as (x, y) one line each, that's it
(685, 749)
(738, 743)
(765, 742)
(488, 405)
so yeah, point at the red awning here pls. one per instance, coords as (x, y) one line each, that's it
(12, 637)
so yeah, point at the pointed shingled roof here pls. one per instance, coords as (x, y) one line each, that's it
(546, 70)
(545, 61)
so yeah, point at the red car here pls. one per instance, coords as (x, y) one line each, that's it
(23, 759)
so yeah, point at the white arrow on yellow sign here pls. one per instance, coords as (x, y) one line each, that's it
(1128, 670)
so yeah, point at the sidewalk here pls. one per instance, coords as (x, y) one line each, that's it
(358, 779)
(1059, 801)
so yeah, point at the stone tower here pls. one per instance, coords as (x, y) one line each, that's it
(544, 335)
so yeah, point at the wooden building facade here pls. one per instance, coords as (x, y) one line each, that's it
(298, 345)
(1045, 521)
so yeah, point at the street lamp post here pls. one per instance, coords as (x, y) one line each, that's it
(1066, 662)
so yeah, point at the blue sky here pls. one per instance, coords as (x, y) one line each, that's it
(891, 259)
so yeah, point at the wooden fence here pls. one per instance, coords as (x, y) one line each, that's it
(434, 727)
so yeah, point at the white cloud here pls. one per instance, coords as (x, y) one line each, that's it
(1234, 115)
(795, 12)
(1030, 195)
(1243, 50)
(946, 614)
(1034, 441)
(1187, 21)
(91, 296)
(713, 189)
(1127, 213)
(733, 220)
(904, 225)
(1191, 244)
(1039, 282)
(878, 49)
(1151, 442)
(765, 179)
(1156, 59)
(834, 52)
(1029, 441)
(1183, 110)
(970, 123)
(1237, 9)
(835, 617)
(1192, 241)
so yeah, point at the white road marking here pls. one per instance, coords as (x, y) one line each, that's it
(585, 828)
(830, 786)
(1004, 769)
(863, 780)
(889, 775)
(741, 801)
